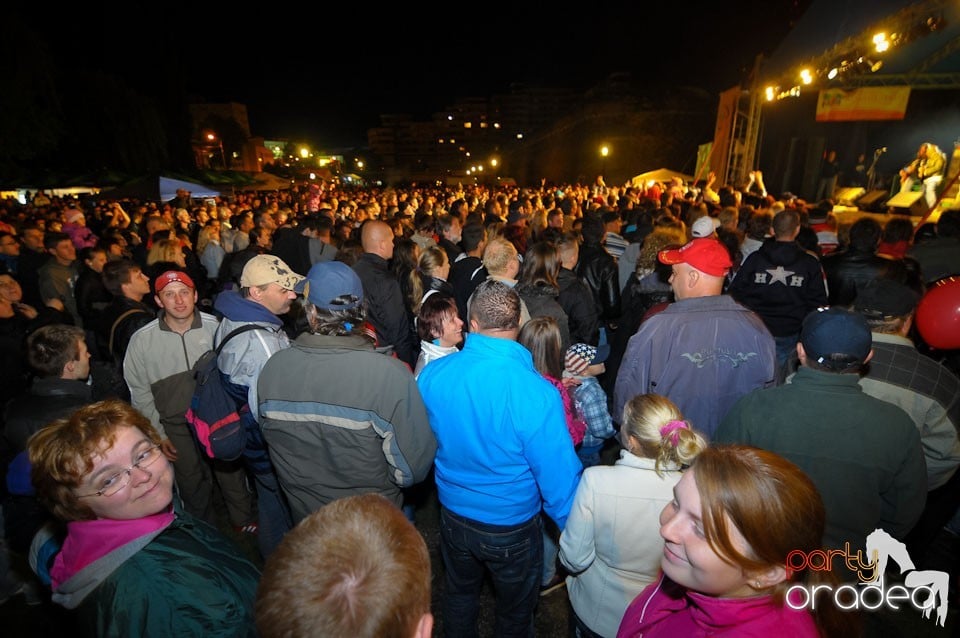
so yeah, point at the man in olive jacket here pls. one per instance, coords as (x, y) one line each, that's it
(863, 454)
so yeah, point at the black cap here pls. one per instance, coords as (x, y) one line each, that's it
(886, 298)
(830, 332)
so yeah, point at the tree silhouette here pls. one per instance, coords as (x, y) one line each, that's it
(31, 121)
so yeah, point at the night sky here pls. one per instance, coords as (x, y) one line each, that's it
(324, 74)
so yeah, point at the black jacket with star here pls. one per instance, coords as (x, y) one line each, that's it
(781, 282)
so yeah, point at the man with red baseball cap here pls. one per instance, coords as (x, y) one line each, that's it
(704, 351)
(158, 368)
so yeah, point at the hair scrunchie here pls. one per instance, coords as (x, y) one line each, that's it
(672, 429)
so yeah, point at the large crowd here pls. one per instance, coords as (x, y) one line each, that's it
(756, 362)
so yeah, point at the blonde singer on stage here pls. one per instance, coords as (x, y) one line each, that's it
(927, 168)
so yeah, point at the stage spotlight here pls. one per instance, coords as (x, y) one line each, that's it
(880, 42)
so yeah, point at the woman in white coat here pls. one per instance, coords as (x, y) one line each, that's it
(612, 544)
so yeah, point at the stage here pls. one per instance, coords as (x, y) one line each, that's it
(848, 214)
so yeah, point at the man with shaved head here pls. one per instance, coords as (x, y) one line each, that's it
(704, 351)
(385, 309)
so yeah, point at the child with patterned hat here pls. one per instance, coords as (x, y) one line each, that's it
(582, 363)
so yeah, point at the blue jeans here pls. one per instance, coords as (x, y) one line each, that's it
(550, 551)
(273, 513)
(786, 353)
(514, 556)
(954, 523)
(589, 455)
(580, 629)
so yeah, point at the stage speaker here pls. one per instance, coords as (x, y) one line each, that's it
(913, 201)
(873, 198)
(848, 195)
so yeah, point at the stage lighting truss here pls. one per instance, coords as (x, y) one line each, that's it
(861, 55)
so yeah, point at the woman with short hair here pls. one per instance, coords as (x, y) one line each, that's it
(133, 563)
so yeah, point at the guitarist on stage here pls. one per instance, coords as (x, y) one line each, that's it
(928, 168)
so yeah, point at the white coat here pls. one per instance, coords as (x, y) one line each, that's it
(612, 544)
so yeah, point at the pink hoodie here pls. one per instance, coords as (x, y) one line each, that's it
(667, 609)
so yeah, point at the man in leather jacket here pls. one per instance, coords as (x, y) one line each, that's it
(850, 270)
(599, 271)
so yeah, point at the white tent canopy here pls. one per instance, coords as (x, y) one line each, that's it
(659, 175)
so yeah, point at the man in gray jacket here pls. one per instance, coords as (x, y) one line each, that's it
(158, 368)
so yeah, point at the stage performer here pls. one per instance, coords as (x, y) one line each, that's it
(928, 168)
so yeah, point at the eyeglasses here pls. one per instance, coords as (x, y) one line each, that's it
(113, 484)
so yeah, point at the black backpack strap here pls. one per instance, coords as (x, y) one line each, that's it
(117, 322)
(233, 333)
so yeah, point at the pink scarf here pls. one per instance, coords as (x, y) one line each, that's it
(576, 426)
(88, 541)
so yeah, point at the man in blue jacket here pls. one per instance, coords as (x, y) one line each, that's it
(503, 455)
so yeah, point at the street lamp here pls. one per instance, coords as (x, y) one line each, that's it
(214, 139)
(604, 151)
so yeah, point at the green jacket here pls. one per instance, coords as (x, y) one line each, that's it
(188, 581)
(863, 454)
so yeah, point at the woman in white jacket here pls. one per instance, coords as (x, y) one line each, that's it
(612, 544)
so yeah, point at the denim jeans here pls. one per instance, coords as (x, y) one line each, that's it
(589, 455)
(579, 628)
(786, 348)
(514, 556)
(550, 550)
(273, 513)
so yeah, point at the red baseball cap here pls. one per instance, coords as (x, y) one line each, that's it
(707, 255)
(171, 276)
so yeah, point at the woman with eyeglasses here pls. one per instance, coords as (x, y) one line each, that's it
(132, 562)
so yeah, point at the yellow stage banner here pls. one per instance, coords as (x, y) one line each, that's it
(868, 103)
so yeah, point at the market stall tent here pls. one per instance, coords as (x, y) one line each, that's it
(158, 188)
(267, 182)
